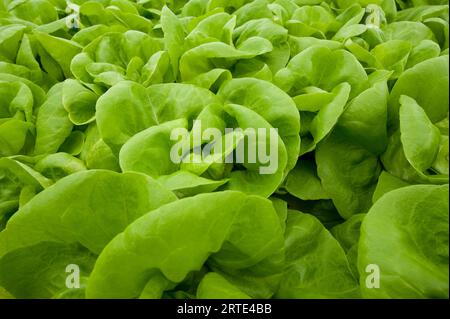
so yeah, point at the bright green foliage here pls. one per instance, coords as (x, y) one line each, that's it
(91, 93)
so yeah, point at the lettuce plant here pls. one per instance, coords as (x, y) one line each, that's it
(93, 205)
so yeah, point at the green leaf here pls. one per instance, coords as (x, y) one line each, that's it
(349, 174)
(173, 37)
(387, 183)
(229, 242)
(53, 125)
(79, 102)
(272, 104)
(315, 268)
(303, 182)
(214, 286)
(420, 138)
(427, 83)
(419, 268)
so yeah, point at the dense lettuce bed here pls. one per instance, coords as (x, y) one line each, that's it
(90, 92)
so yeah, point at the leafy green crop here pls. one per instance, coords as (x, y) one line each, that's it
(93, 204)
